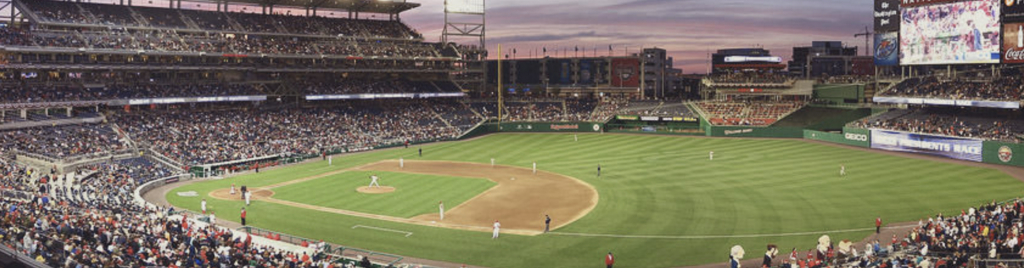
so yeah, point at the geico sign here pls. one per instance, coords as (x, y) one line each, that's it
(856, 137)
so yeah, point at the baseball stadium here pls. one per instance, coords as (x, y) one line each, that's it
(340, 133)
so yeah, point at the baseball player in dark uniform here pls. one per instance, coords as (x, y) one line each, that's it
(547, 223)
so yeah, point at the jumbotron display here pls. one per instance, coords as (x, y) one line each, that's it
(954, 33)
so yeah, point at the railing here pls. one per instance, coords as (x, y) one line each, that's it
(341, 252)
(141, 190)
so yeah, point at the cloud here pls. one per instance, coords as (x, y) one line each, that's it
(686, 28)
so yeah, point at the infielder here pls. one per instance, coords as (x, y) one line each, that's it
(492, 162)
(401, 162)
(440, 206)
(330, 160)
(248, 195)
(373, 181)
(232, 189)
(203, 206)
(842, 170)
(497, 228)
(534, 167)
(711, 155)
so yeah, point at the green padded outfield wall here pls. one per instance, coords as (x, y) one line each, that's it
(1002, 153)
(750, 131)
(852, 139)
(552, 127)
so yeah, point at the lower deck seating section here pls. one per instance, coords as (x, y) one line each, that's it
(92, 221)
(63, 141)
(749, 113)
(200, 137)
(1007, 88)
(12, 92)
(955, 122)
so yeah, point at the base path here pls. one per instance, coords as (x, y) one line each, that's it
(519, 204)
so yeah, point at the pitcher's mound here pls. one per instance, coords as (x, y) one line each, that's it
(375, 190)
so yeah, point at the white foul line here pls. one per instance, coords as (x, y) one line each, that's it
(720, 236)
(407, 234)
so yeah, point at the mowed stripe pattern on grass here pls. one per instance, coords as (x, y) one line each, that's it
(415, 194)
(657, 185)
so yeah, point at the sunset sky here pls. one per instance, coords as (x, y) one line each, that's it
(686, 28)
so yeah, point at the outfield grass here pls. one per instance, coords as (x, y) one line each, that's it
(415, 194)
(654, 186)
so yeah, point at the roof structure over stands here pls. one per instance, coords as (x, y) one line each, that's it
(374, 6)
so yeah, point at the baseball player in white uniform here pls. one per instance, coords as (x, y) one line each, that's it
(232, 189)
(213, 218)
(440, 206)
(248, 195)
(711, 155)
(401, 162)
(330, 160)
(492, 161)
(373, 181)
(497, 228)
(534, 167)
(575, 137)
(842, 170)
(202, 206)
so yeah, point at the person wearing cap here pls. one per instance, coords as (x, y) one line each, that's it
(497, 228)
(609, 260)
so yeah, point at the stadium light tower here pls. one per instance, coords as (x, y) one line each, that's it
(469, 20)
(466, 19)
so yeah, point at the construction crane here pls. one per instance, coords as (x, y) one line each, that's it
(867, 35)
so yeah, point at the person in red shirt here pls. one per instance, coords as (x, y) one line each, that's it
(878, 225)
(609, 260)
(243, 216)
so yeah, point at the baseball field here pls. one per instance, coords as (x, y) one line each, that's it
(659, 202)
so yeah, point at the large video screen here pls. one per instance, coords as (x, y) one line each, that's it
(953, 33)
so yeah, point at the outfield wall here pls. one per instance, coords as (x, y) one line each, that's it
(551, 127)
(1002, 153)
(847, 138)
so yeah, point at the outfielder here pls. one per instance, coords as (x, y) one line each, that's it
(330, 160)
(711, 155)
(575, 137)
(373, 181)
(842, 170)
(497, 228)
(203, 206)
(599, 170)
(440, 206)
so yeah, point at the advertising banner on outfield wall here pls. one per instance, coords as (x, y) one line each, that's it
(1003, 153)
(887, 16)
(951, 147)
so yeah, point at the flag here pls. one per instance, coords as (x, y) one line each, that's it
(577, 48)
(545, 49)
(513, 51)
